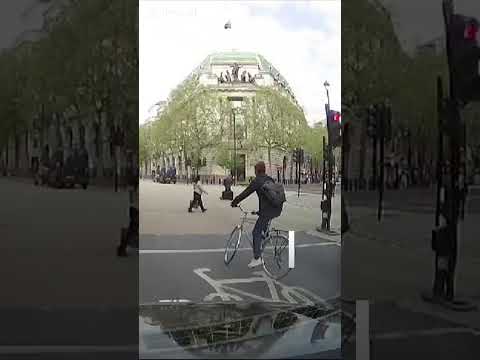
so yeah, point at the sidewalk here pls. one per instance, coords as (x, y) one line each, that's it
(392, 261)
(100, 182)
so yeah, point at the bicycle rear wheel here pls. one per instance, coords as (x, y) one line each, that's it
(232, 244)
(275, 256)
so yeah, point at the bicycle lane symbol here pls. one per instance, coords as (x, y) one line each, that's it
(279, 292)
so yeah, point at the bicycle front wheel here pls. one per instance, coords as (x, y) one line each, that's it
(275, 256)
(232, 244)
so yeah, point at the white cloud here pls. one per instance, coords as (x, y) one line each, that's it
(176, 36)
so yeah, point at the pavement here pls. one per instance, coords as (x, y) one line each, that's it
(181, 254)
(49, 234)
(391, 263)
(62, 283)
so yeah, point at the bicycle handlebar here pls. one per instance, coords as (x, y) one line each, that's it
(247, 212)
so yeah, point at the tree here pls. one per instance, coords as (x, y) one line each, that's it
(193, 121)
(314, 144)
(224, 158)
(372, 57)
(86, 62)
(145, 149)
(274, 122)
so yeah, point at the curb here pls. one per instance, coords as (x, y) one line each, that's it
(335, 238)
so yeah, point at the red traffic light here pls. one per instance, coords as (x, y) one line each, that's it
(337, 117)
(471, 31)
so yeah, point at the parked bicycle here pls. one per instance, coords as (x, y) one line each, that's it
(274, 247)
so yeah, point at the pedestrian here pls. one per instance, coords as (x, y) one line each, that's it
(197, 195)
(130, 235)
(268, 210)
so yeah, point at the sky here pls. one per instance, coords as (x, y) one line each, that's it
(300, 38)
(16, 17)
(417, 22)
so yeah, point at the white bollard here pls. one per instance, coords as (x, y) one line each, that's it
(291, 249)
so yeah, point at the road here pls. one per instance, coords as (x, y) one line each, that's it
(182, 253)
(391, 264)
(61, 280)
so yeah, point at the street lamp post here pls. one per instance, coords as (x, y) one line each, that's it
(232, 99)
(234, 149)
(326, 85)
(325, 225)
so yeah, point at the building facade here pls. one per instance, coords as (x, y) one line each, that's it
(237, 76)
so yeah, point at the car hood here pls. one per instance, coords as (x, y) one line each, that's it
(239, 330)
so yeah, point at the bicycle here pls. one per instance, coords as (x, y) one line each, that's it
(274, 247)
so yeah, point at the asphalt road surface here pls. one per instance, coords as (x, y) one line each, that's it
(181, 254)
(52, 240)
(64, 291)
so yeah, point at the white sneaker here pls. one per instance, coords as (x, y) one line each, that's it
(255, 263)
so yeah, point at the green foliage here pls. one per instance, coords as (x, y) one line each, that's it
(275, 123)
(370, 51)
(224, 158)
(193, 121)
(87, 58)
(314, 144)
(197, 119)
(375, 68)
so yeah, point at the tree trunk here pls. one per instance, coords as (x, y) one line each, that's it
(362, 154)
(269, 151)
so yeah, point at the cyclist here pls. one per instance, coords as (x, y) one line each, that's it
(267, 211)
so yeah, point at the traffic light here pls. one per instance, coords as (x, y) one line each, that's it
(334, 126)
(295, 156)
(372, 121)
(463, 34)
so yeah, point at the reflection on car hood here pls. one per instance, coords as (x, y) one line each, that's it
(239, 330)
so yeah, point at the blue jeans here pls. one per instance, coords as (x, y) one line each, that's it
(258, 234)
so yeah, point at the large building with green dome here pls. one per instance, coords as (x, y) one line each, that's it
(237, 76)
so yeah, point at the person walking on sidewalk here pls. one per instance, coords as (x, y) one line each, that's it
(197, 195)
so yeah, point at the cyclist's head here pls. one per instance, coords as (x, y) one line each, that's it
(260, 168)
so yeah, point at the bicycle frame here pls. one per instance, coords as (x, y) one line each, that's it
(278, 248)
(242, 224)
(244, 220)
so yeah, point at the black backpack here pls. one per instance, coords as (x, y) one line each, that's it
(274, 192)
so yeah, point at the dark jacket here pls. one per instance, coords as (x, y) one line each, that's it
(265, 208)
(227, 182)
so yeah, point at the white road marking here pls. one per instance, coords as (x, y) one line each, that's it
(36, 349)
(362, 348)
(291, 294)
(427, 332)
(221, 250)
(399, 335)
(291, 249)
